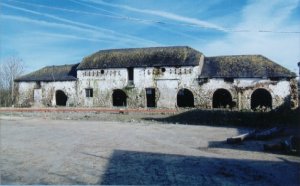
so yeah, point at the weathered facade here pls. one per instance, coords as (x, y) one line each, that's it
(162, 77)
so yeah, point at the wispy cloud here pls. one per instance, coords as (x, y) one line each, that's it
(110, 14)
(51, 24)
(164, 14)
(158, 24)
(70, 36)
(109, 34)
(262, 15)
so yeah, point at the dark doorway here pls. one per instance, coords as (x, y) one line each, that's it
(150, 96)
(261, 98)
(61, 98)
(119, 98)
(222, 99)
(130, 74)
(185, 98)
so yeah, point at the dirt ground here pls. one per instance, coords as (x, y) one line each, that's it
(134, 148)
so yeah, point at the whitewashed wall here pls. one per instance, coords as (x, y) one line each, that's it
(25, 93)
(241, 90)
(48, 89)
(166, 83)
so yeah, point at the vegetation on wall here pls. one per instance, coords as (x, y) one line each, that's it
(52, 73)
(243, 66)
(141, 57)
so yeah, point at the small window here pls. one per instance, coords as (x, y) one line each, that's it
(38, 85)
(274, 78)
(102, 71)
(229, 80)
(89, 92)
(202, 80)
(163, 69)
(130, 74)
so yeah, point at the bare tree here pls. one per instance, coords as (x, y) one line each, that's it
(10, 69)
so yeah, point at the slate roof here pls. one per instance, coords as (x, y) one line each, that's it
(243, 66)
(52, 73)
(142, 57)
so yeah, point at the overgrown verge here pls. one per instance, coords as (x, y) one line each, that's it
(283, 117)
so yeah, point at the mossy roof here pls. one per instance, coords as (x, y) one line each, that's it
(52, 73)
(142, 57)
(243, 66)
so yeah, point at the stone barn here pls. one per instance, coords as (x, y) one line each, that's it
(49, 86)
(161, 77)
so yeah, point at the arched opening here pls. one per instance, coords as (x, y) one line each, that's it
(185, 98)
(222, 99)
(61, 98)
(119, 98)
(261, 98)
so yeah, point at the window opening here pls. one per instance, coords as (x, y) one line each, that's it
(150, 96)
(89, 92)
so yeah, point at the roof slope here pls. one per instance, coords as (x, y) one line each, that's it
(142, 57)
(243, 66)
(52, 73)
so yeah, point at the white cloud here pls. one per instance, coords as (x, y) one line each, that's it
(283, 48)
(109, 34)
(164, 14)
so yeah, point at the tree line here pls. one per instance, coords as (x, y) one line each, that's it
(10, 69)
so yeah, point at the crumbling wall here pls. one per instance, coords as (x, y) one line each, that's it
(294, 93)
(25, 94)
(207, 90)
(241, 90)
(279, 91)
(167, 81)
(49, 89)
(103, 82)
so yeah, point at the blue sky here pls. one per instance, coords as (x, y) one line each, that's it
(55, 32)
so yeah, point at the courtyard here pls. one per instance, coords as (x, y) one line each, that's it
(61, 148)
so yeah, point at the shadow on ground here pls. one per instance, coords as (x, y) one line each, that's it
(142, 168)
(256, 144)
(233, 118)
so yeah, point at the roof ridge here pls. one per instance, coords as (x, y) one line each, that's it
(236, 55)
(141, 57)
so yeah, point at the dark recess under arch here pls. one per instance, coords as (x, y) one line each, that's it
(61, 98)
(261, 98)
(222, 99)
(119, 98)
(185, 98)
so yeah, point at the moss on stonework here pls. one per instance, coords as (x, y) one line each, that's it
(133, 97)
(51, 73)
(243, 66)
(140, 57)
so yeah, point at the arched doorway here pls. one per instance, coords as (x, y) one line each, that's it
(119, 98)
(261, 98)
(61, 98)
(222, 99)
(185, 98)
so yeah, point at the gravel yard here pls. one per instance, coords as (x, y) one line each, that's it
(80, 148)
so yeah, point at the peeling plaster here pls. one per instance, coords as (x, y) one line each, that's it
(166, 81)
